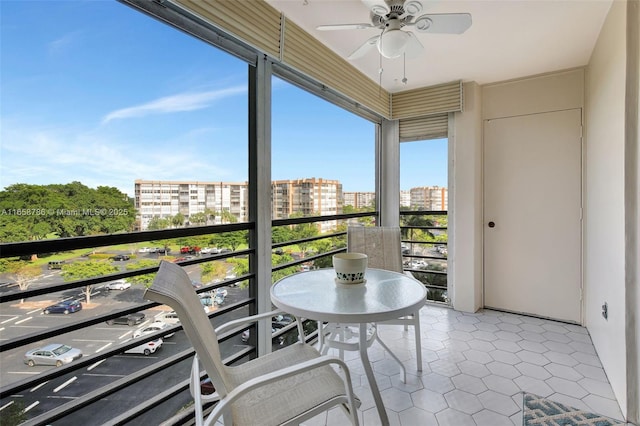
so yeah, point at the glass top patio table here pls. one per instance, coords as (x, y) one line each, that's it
(315, 295)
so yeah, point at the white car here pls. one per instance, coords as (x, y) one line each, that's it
(152, 328)
(170, 318)
(117, 285)
(144, 250)
(146, 348)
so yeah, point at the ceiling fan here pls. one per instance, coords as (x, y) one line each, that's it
(391, 16)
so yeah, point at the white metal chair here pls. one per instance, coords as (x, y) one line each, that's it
(383, 247)
(283, 387)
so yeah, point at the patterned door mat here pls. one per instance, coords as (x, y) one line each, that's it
(543, 411)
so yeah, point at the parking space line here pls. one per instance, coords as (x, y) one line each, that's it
(31, 406)
(23, 320)
(29, 326)
(38, 386)
(104, 347)
(103, 375)
(92, 366)
(65, 384)
(124, 335)
(31, 373)
(6, 405)
(90, 340)
(35, 310)
(10, 319)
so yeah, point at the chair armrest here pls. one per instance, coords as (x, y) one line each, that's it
(246, 320)
(275, 376)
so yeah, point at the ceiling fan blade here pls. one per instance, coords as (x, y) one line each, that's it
(364, 48)
(378, 7)
(344, 27)
(442, 23)
(413, 47)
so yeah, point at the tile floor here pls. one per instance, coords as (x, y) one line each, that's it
(475, 367)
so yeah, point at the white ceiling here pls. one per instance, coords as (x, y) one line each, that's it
(508, 38)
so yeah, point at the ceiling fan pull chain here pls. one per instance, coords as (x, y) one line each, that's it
(380, 75)
(404, 69)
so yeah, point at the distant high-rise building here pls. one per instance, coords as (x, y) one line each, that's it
(429, 198)
(359, 199)
(405, 199)
(164, 199)
(311, 197)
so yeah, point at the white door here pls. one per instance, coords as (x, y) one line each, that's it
(532, 214)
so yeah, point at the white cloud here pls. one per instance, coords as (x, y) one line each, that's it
(63, 43)
(175, 103)
(39, 156)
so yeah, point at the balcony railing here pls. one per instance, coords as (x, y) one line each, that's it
(107, 386)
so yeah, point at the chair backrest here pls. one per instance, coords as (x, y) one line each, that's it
(172, 286)
(382, 244)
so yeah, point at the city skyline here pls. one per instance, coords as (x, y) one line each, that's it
(108, 95)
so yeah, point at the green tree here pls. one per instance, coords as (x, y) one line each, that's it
(157, 223)
(13, 415)
(198, 218)
(23, 273)
(212, 270)
(280, 234)
(228, 217)
(145, 279)
(304, 230)
(178, 220)
(232, 240)
(32, 212)
(89, 269)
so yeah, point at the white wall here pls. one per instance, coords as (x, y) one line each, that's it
(604, 244)
(465, 203)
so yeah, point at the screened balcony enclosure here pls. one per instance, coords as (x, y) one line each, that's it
(228, 144)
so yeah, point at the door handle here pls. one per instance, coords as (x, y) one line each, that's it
(492, 224)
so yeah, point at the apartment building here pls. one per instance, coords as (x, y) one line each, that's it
(359, 199)
(165, 199)
(428, 198)
(311, 197)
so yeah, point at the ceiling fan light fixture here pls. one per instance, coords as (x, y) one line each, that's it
(413, 7)
(379, 9)
(392, 43)
(423, 23)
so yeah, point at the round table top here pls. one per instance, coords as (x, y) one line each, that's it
(315, 295)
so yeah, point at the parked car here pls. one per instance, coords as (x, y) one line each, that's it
(52, 354)
(56, 264)
(206, 387)
(152, 328)
(130, 320)
(163, 250)
(246, 334)
(209, 250)
(120, 257)
(144, 250)
(146, 348)
(170, 318)
(189, 250)
(64, 307)
(117, 285)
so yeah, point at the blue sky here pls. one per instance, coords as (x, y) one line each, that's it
(97, 92)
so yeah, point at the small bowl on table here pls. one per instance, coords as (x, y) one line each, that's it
(350, 268)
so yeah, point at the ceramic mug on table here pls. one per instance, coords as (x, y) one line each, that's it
(350, 267)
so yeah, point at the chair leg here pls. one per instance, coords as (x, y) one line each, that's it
(403, 371)
(416, 329)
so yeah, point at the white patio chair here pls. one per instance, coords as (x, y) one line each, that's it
(383, 247)
(283, 387)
